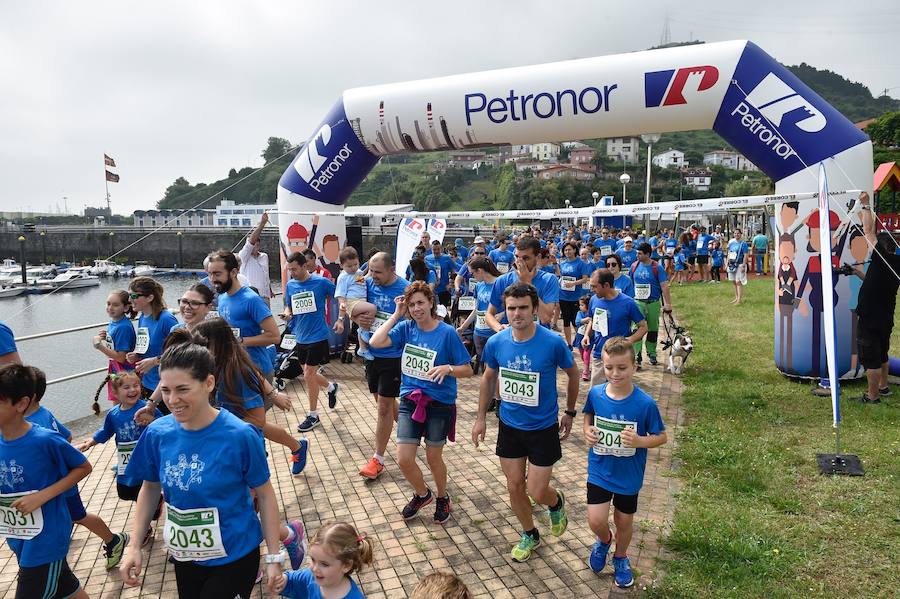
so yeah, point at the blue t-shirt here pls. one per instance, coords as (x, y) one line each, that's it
(623, 283)
(7, 340)
(740, 249)
(301, 584)
(483, 292)
(351, 285)
(212, 467)
(718, 257)
(547, 286)
(579, 318)
(462, 251)
(607, 246)
(249, 397)
(623, 475)
(628, 258)
(432, 276)
(34, 461)
(464, 277)
(44, 418)
(671, 244)
(703, 244)
(680, 260)
(246, 311)
(442, 265)
(502, 256)
(643, 275)
(760, 242)
(448, 348)
(120, 423)
(383, 298)
(158, 329)
(621, 312)
(543, 354)
(311, 326)
(122, 334)
(576, 269)
(654, 242)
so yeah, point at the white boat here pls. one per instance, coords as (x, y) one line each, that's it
(9, 270)
(11, 291)
(74, 278)
(142, 269)
(104, 268)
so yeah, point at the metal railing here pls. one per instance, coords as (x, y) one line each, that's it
(63, 332)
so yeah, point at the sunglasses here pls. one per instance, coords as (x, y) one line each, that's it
(136, 295)
(478, 253)
(192, 303)
(611, 264)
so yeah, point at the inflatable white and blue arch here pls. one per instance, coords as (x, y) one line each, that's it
(734, 88)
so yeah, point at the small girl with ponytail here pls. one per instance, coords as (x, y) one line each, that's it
(336, 551)
(118, 338)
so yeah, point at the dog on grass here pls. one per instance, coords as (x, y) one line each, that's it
(681, 349)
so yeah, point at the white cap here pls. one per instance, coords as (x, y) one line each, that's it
(627, 239)
(479, 239)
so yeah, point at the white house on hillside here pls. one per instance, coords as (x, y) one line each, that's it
(698, 178)
(670, 159)
(545, 151)
(623, 149)
(729, 159)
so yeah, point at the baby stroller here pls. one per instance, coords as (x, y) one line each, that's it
(287, 364)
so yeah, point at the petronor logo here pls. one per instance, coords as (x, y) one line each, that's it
(774, 98)
(666, 88)
(315, 168)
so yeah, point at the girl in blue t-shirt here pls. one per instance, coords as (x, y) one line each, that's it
(680, 265)
(581, 320)
(718, 259)
(205, 462)
(117, 339)
(336, 551)
(154, 324)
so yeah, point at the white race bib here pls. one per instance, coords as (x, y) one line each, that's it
(303, 302)
(600, 322)
(567, 283)
(503, 267)
(642, 291)
(381, 317)
(480, 322)
(581, 330)
(236, 332)
(124, 450)
(520, 387)
(142, 344)
(732, 255)
(610, 437)
(437, 272)
(466, 303)
(212, 314)
(472, 285)
(417, 361)
(289, 342)
(193, 535)
(605, 250)
(670, 251)
(16, 525)
(108, 342)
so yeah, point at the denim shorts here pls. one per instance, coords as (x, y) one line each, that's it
(435, 429)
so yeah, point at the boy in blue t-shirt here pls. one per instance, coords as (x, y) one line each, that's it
(621, 422)
(37, 466)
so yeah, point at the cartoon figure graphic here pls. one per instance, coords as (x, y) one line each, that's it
(130, 431)
(813, 278)
(522, 363)
(298, 239)
(786, 290)
(175, 473)
(11, 474)
(859, 249)
(329, 257)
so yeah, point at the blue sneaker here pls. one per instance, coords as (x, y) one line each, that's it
(597, 560)
(296, 548)
(624, 577)
(299, 458)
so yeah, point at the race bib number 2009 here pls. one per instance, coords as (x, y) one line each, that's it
(142, 343)
(303, 302)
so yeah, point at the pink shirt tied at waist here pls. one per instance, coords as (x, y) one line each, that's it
(421, 400)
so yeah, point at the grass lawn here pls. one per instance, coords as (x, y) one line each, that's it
(754, 517)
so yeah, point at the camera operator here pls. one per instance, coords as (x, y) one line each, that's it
(875, 308)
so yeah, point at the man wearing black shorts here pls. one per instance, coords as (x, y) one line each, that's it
(875, 308)
(382, 373)
(306, 296)
(525, 357)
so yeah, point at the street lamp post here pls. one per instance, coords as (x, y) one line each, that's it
(624, 179)
(180, 250)
(43, 248)
(649, 139)
(22, 258)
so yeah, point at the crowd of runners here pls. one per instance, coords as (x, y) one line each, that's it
(189, 400)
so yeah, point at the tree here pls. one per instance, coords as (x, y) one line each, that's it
(180, 187)
(885, 131)
(277, 146)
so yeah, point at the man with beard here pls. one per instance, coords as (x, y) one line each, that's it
(245, 311)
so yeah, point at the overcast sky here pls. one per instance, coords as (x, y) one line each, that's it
(194, 88)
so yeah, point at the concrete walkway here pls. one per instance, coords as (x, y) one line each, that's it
(474, 544)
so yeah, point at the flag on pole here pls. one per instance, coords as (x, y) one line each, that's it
(828, 293)
(108, 161)
(112, 177)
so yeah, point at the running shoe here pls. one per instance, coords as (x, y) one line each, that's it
(442, 509)
(298, 458)
(653, 361)
(585, 376)
(365, 354)
(527, 545)
(372, 469)
(624, 577)
(415, 504)
(332, 396)
(310, 423)
(148, 536)
(638, 362)
(864, 398)
(114, 550)
(558, 518)
(296, 548)
(597, 560)
(884, 392)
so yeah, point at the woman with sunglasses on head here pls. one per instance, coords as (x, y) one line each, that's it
(154, 324)
(622, 281)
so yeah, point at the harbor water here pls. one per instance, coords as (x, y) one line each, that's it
(71, 353)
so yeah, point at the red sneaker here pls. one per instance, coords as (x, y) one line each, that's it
(372, 469)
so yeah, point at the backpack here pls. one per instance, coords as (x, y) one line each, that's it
(654, 264)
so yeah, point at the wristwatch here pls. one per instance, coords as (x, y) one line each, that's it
(274, 558)
(451, 368)
(570, 413)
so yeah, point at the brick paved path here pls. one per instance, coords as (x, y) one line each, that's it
(475, 544)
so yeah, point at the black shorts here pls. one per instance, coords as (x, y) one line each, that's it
(312, 354)
(541, 447)
(702, 259)
(383, 376)
(444, 298)
(235, 579)
(130, 493)
(53, 581)
(692, 259)
(569, 312)
(627, 504)
(872, 344)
